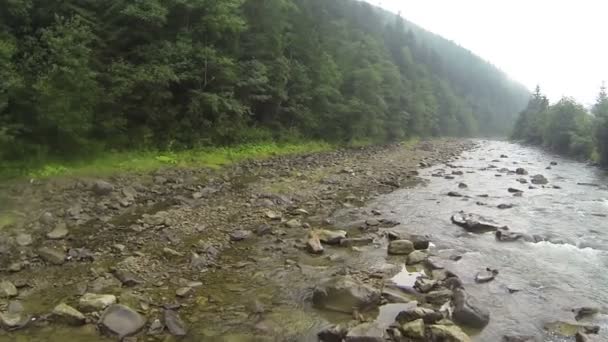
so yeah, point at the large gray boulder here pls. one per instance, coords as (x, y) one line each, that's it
(475, 223)
(121, 321)
(345, 294)
(467, 312)
(366, 332)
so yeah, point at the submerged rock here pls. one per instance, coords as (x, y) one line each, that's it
(121, 321)
(485, 276)
(474, 223)
(345, 294)
(400, 247)
(467, 312)
(66, 314)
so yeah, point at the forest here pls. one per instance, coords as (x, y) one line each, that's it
(79, 77)
(566, 127)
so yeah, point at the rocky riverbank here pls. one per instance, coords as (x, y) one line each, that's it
(267, 250)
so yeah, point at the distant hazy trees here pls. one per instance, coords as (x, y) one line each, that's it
(566, 126)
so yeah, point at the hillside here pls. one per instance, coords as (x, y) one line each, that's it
(83, 76)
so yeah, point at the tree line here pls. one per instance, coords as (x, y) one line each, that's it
(566, 127)
(80, 76)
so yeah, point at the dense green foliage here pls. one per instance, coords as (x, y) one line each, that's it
(77, 76)
(566, 126)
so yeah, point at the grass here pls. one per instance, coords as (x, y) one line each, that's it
(143, 161)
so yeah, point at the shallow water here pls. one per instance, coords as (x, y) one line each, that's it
(552, 277)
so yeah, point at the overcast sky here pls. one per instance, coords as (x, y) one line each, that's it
(560, 44)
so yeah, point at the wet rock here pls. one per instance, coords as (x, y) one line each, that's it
(121, 321)
(184, 291)
(451, 333)
(504, 156)
(313, 243)
(156, 327)
(539, 180)
(366, 332)
(504, 235)
(457, 173)
(553, 163)
(360, 241)
(568, 329)
(239, 235)
(66, 314)
(515, 191)
(400, 247)
(52, 255)
(504, 206)
(521, 171)
(428, 316)
(127, 278)
(414, 329)
(174, 323)
(90, 302)
(335, 333)
(13, 320)
(425, 285)
(24, 240)
(59, 232)
(372, 222)
(293, 223)
(583, 312)
(485, 276)
(467, 312)
(345, 294)
(438, 297)
(522, 180)
(8, 289)
(454, 194)
(416, 257)
(462, 186)
(330, 237)
(102, 188)
(474, 223)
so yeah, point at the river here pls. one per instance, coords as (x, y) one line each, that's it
(552, 277)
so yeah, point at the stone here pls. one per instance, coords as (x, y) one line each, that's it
(474, 223)
(273, 215)
(46, 218)
(400, 247)
(183, 291)
(451, 333)
(59, 232)
(372, 222)
(514, 190)
(414, 329)
(13, 321)
(335, 333)
(467, 312)
(438, 297)
(156, 327)
(345, 294)
(128, 278)
(90, 302)
(416, 257)
(52, 255)
(293, 223)
(66, 314)
(462, 186)
(521, 171)
(454, 194)
(503, 206)
(172, 252)
(366, 332)
(8, 289)
(121, 321)
(24, 240)
(102, 188)
(428, 316)
(425, 285)
(330, 237)
(359, 241)
(313, 244)
(174, 323)
(486, 275)
(539, 180)
(239, 235)
(584, 312)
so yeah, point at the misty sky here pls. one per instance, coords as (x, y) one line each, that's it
(560, 44)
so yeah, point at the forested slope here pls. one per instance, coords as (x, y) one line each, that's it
(77, 76)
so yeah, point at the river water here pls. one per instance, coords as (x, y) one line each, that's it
(552, 277)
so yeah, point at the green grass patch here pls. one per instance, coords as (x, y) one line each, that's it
(143, 161)
(411, 142)
(7, 219)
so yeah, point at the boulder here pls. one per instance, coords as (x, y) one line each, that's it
(345, 294)
(539, 180)
(52, 255)
(13, 320)
(366, 332)
(449, 333)
(420, 241)
(467, 312)
(8, 289)
(102, 188)
(121, 321)
(174, 323)
(95, 302)
(414, 329)
(66, 314)
(416, 257)
(474, 223)
(400, 247)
